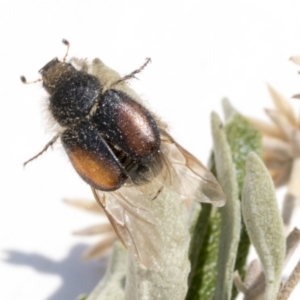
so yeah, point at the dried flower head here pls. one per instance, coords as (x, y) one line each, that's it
(281, 149)
(280, 139)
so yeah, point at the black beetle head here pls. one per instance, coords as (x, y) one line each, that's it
(55, 72)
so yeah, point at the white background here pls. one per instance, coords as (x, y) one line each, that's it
(201, 52)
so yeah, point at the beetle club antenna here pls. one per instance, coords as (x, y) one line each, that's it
(23, 79)
(68, 47)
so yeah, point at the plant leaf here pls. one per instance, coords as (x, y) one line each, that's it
(243, 138)
(170, 281)
(263, 222)
(228, 109)
(202, 279)
(230, 213)
(113, 282)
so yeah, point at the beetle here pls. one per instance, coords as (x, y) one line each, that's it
(121, 149)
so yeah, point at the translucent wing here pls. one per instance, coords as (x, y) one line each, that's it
(130, 214)
(192, 180)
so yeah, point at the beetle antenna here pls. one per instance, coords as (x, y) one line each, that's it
(49, 144)
(23, 79)
(68, 47)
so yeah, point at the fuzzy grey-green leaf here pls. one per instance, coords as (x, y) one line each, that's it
(170, 282)
(230, 213)
(113, 282)
(242, 139)
(228, 109)
(263, 222)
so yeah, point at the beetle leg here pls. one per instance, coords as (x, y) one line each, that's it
(132, 74)
(49, 144)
